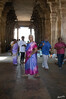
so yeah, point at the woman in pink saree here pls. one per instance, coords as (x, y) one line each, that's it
(31, 66)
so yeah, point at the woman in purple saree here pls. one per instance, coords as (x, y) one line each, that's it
(14, 52)
(31, 66)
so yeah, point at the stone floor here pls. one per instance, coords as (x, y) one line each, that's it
(50, 85)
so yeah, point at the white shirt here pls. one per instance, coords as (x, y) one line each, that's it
(21, 48)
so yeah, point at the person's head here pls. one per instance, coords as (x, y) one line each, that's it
(12, 39)
(59, 39)
(31, 37)
(46, 38)
(27, 41)
(15, 41)
(23, 38)
(18, 39)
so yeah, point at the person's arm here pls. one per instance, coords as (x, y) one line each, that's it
(64, 46)
(42, 44)
(24, 45)
(18, 45)
(34, 51)
(56, 47)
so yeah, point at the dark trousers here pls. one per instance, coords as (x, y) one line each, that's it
(60, 59)
(22, 56)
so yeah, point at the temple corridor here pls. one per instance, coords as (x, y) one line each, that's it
(50, 85)
(44, 19)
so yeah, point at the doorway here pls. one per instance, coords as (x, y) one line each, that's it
(24, 31)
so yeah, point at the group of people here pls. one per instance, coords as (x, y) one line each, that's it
(29, 52)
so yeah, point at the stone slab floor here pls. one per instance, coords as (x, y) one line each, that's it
(50, 85)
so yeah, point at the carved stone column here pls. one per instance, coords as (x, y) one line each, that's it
(43, 28)
(54, 24)
(53, 28)
(0, 35)
(63, 19)
(3, 35)
(36, 34)
(17, 33)
(1, 9)
(47, 26)
(30, 30)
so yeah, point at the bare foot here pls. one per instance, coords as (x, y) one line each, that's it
(24, 75)
(36, 76)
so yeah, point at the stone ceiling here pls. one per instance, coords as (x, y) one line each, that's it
(23, 9)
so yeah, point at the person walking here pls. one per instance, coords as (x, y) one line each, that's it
(15, 51)
(22, 46)
(45, 45)
(60, 48)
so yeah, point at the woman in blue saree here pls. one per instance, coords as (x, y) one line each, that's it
(15, 52)
(31, 66)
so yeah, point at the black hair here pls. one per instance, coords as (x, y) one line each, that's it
(59, 38)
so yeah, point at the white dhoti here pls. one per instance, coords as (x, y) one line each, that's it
(45, 62)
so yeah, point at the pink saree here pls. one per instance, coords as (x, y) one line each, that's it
(31, 66)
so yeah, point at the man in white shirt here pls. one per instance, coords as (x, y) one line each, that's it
(22, 45)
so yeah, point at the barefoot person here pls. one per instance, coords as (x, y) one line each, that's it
(31, 66)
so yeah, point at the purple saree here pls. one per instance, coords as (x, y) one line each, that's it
(31, 66)
(14, 52)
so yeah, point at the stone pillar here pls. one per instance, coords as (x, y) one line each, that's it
(53, 28)
(47, 26)
(1, 9)
(36, 33)
(63, 19)
(0, 35)
(17, 33)
(40, 30)
(59, 27)
(54, 24)
(30, 27)
(43, 28)
(3, 35)
(30, 30)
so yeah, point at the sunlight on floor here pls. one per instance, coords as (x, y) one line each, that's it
(2, 58)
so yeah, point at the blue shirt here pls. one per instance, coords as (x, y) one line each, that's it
(46, 47)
